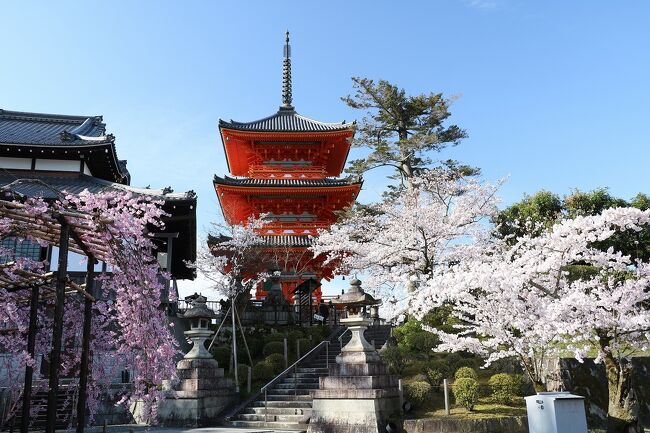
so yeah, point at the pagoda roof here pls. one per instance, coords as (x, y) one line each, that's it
(287, 182)
(286, 120)
(17, 127)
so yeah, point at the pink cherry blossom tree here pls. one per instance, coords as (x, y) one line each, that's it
(558, 292)
(398, 243)
(129, 330)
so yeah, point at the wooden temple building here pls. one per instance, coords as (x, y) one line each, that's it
(48, 156)
(287, 167)
(44, 154)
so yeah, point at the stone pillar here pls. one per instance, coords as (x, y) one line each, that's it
(360, 395)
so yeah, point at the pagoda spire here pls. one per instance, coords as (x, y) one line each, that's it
(286, 76)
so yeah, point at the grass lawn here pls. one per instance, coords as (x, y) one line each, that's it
(481, 411)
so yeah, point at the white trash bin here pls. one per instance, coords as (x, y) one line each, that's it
(556, 412)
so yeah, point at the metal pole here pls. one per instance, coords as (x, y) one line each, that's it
(249, 380)
(445, 386)
(29, 370)
(243, 337)
(57, 328)
(295, 378)
(234, 341)
(297, 349)
(286, 354)
(327, 354)
(219, 328)
(400, 389)
(85, 346)
(266, 406)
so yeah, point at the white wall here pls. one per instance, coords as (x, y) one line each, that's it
(57, 164)
(15, 163)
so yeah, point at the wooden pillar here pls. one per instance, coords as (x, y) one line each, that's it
(57, 328)
(29, 370)
(85, 346)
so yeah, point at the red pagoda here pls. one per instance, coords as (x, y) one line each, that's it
(287, 166)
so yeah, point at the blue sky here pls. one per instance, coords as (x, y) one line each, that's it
(553, 94)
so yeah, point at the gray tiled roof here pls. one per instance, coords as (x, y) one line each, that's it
(286, 120)
(76, 183)
(51, 129)
(281, 182)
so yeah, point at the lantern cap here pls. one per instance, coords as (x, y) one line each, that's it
(355, 296)
(199, 309)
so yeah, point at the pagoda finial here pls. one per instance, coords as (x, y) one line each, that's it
(286, 75)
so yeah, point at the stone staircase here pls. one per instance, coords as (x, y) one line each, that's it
(289, 402)
(65, 406)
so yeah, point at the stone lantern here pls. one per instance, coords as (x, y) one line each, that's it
(355, 301)
(360, 394)
(202, 391)
(200, 317)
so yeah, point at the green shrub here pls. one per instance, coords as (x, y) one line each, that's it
(466, 372)
(465, 391)
(276, 361)
(276, 336)
(263, 372)
(505, 387)
(416, 391)
(242, 374)
(319, 333)
(305, 345)
(437, 371)
(293, 336)
(273, 347)
(414, 367)
(255, 346)
(222, 355)
(394, 357)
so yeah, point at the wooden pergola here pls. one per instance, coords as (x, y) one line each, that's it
(69, 230)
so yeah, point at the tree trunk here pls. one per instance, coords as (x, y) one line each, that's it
(622, 407)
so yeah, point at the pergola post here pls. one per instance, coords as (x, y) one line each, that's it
(85, 346)
(29, 370)
(57, 331)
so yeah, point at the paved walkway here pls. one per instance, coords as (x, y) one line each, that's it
(142, 429)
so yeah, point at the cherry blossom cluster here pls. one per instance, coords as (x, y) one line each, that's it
(129, 330)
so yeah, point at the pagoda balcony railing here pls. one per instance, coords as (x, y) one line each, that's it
(297, 171)
(296, 225)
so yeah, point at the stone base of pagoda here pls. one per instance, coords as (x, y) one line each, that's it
(202, 394)
(355, 398)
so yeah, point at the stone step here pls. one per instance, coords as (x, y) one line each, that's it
(298, 386)
(290, 391)
(282, 404)
(312, 370)
(274, 425)
(272, 418)
(277, 410)
(306, 375)
(312, 379)
(288, 397)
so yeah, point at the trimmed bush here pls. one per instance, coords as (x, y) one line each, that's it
(436, 371)
(465, 391)
(273, 347)
(416, 391)
(242, 374)
(305, 346)
(276, 361)
(394, 357)
(506, 388)
(222, 355)
(466, 372)
(292, 336)
(276, 336)
(319, 333)
(263, 372)
(255, 345)
(414, 367)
